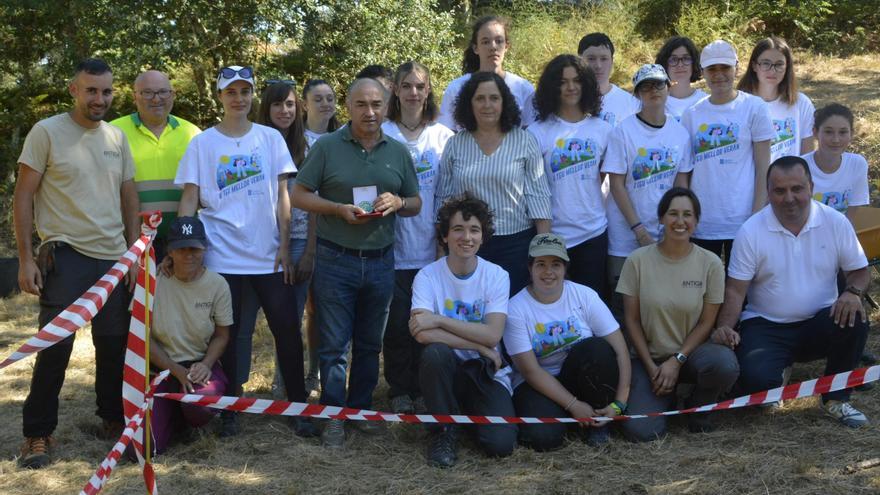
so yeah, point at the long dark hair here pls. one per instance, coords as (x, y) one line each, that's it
(471, 61)
(430, 111)
(673, 44)
(787, 88)
(547, 100)
(333, 124)
(295, 138)
(464, 109)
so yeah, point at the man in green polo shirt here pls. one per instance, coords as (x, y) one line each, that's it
(158, 141)
(365, 180)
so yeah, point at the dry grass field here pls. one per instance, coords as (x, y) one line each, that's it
(792, 450)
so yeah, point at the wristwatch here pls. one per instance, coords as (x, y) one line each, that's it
(680, 357)
(855, 290)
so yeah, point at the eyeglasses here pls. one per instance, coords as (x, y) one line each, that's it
(229, 73)
(149, 94)
(289, 82)
(676, 61)
(652, 85)
(766, 65)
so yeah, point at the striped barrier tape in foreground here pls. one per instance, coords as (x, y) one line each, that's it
(808, 388)
(96, 482)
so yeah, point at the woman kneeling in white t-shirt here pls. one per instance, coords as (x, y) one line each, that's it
(672, 291)
(564, 368)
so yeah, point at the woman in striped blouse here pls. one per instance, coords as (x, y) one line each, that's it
(499, 163)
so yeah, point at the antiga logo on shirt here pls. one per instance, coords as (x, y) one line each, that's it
(111, 154)
(204, 304)
(692, 284)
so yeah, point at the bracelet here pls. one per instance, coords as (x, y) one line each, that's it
(618, 406)
(635, 226)
(572, 401)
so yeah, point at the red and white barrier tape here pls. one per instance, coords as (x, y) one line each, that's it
(83, 309)
(808, 388)
(96, 482)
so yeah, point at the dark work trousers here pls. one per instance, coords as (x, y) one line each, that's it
(72, 275)
(588, 265)
(447, 391)
(278, 301)
(590, 372)
(510, 252)
(767, 348)
(400, 350)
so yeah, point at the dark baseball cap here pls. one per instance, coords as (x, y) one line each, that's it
(187, 232)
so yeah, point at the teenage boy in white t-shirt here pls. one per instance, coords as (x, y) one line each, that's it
(598, 51)
(459, 309)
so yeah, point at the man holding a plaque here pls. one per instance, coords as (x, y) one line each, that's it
(356, 180)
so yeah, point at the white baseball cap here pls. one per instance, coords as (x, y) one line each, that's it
(232, 73)
(718, 52)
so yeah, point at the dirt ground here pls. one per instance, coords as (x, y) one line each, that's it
(792, 450)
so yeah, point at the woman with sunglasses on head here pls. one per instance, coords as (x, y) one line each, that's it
(319, 109)
(499, 163)
(489, 43)
(647, 154)
(679, 57)
(237, 172)
(572, 138)
(770, 75)
(412, 121)
(672, 292)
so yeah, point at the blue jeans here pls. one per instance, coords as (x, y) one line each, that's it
(510, 252)
(766, 348)
(250, 305)
(352, 295)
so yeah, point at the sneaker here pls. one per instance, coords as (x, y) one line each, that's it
(313, 384)
(419, 406)
(111, 430)
(598, 436)
(303, 427)
(333, 435)
(35, 452)
(845, 413)
(441, 448)
(370, 427)
(402, 404)
(228, 424)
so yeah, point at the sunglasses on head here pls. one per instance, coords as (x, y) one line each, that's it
(229, 73)
(289, 82)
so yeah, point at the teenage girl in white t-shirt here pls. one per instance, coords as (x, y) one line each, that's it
(572, 138)
(840, 178)
(485, 53)
(680, 57)
(412, 121)
(770, 75)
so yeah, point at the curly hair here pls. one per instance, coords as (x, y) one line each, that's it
(788, 89)
(464, 109)
(675, 43)
(430, 111)
(295, 137)
(471, 61)
(547, 101)
(469, 206)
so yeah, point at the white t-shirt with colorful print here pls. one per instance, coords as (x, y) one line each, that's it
(724, 165)
(617, 105)
(415, 239)
(485, 291)
(573, 153)
(791, 124)
(650, 159)
(549, 330)
(676, 106)
(238, 194)
(847, 186)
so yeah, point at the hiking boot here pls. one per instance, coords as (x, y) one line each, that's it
(333, 435)
(598, 436)
(419, 406)
(110, 430)
(313, 384)
(441, 448)
(35, 452)
(845, 413)
(402, 404)
(303, 427)
(229, 424)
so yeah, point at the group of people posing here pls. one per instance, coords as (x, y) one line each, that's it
(511, 251)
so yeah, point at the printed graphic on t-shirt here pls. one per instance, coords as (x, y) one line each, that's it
(238, 170)
(572, 151)
(426, 167)
(653, 164)
(837, 200)
(784, 130)
(608, 116)
(715, 139)
(548, 338)
(461, 310)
